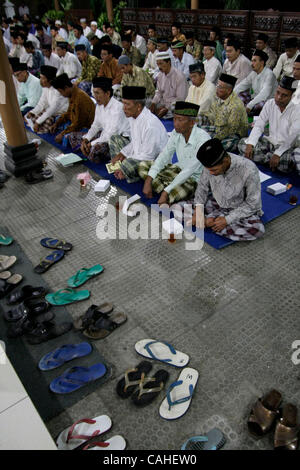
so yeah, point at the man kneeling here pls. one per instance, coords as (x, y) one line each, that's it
(176, 182)
(230, 190)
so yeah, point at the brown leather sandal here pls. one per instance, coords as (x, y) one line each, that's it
(264, 413)
(287, 430)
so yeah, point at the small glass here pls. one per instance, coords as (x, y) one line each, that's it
(293, 199)
(172, 238)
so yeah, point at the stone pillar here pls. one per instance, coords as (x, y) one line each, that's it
(194, 4)
(20, 155)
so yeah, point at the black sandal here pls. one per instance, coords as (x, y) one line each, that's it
(93, 313)
(48, 330)
(26, 325)
(26, 310)
(132, 377)
(26, 293)
(150, 388)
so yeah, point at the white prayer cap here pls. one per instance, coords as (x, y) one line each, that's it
(164, 55)
(82, 20)
(58, 22)
(94, 23)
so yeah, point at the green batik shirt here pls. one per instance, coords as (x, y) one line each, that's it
(195, 50)
(134, 54)
(90, 69)
(139, 77)
(228, 116)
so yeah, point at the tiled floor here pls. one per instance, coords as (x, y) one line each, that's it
(235, 312)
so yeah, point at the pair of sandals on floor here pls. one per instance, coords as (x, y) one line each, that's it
(267, 415)
(32, 316)
(60, 247)
(143, 389)
(8, 281)
(99, 321)
(85, 435)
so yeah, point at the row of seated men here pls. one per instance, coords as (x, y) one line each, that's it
(226, 181)
(255, 83)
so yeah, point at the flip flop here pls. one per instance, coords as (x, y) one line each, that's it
(161, 351)
(55, 243)
(114, 443)
(5, 240)
(76, 377)
(105, 326)
(26, 310)
(48, 261)
(48, 330)
(82, 431)
(179, 395)
(213, 440)
(93, 313)
(132, 377)
(5, 275)
(25, 293)
(9, 284)
(264, 414)
(7, 263)
(83, 275)
(65, 353)
(149, 388)
(67, 296)
(3, 258)
(286, 435)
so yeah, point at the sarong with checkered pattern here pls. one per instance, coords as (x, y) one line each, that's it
(248, 228)
(264, 150)
(165, 177)
(229, 143)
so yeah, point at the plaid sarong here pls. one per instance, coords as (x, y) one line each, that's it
(116, 143)
(44, 128)
(230, 142)
(246, 98)
(264, 150)
(248, 228)
(130, 167)
(165, 177)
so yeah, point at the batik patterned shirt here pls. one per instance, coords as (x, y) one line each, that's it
(239, 189)
(139, 78)
(228, 116)
(90, 69)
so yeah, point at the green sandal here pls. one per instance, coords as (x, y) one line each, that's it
(67, 296)
(5, 240)
(84, 275)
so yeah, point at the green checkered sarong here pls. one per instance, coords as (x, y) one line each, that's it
(165, 177)
(116, 143)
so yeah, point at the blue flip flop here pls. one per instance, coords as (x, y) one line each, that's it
(213, 440)
(65, 353)
(48, 261)
(56, 244)
(76, 377)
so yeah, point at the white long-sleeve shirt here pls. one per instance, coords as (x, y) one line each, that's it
(284, 66)
(148, 137)
(70, 65)
(109, 119)
(239, 68)
(183, 65)
(51, 103)
(213, 70)
(284, 128)
(140, 44)
(262, 86)
(54, 61)
(296, 95)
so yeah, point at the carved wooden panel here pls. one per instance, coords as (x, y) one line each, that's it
(291, 24)
(234, 21)
(129, 15)
(163, 17)
(186, 18)
(204, 19)
(267, 23)
(145, 16)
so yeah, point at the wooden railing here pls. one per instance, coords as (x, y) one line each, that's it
(245, 24)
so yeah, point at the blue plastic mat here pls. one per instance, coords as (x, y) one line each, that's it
(273, 206)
